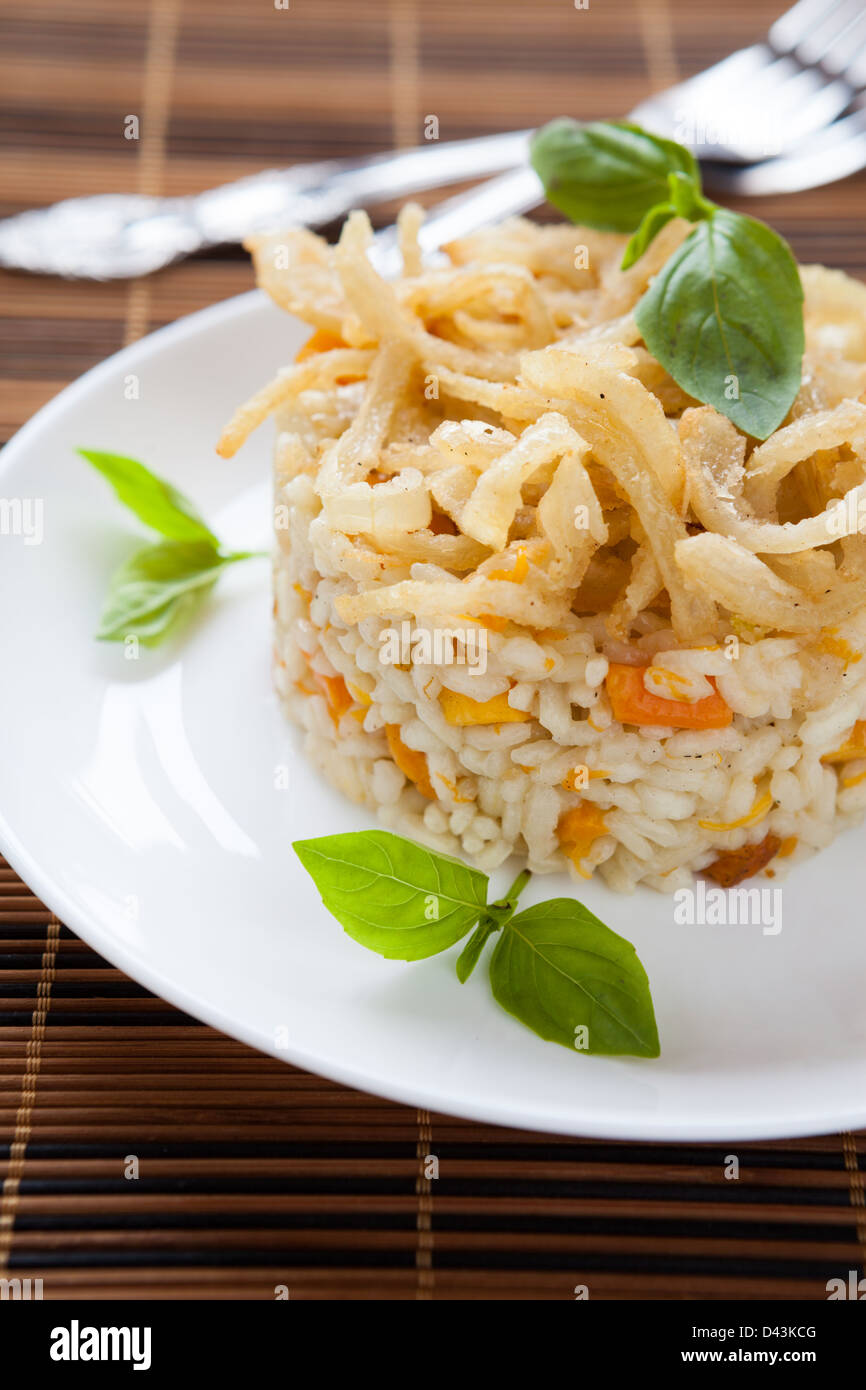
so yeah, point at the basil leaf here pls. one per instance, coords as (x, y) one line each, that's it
(153, 500)
(649, 228)
(559, 969)
(471, 953)
(157, 586)
(494, 920)
(393, 896)
(724, 316)
(607, 174)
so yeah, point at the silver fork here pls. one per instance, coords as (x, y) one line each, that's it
(813, 31)
(119, 235)
(830, 154)
(808, 70)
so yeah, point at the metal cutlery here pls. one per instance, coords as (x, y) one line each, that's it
(764, 101)
(782, 115)
(508, 194)
(117, 235)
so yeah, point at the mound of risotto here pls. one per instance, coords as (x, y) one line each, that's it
(531, 597)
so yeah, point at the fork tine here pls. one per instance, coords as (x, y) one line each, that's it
(800, 79)
(834, 57)
(832, 154)
(803, 19)
(808, 97)
(843, 57)
(831, 39)
(786, 103)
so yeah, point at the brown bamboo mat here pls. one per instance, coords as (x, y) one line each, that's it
(252, 1174)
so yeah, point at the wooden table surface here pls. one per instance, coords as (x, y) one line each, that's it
(251, 1173)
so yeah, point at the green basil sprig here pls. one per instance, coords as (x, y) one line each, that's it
(724, 316)
(555, 967)
(560, 971)
(159, 585)
(606, 174)
(393, 896)
(153, 500)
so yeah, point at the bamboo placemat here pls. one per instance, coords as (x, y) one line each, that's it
(250, 1173)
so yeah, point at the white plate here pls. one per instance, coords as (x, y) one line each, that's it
(138, 800)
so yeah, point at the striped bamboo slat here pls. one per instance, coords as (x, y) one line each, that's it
(252, 1174)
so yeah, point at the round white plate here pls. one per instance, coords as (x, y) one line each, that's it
(140, 800)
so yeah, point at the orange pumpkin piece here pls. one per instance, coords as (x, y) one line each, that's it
(632, 703)
(578, 829)
(518, 572)
(336, 694)
(853, 747)
(323, 340)
(334, 689)
(410, 762)
(462, 710)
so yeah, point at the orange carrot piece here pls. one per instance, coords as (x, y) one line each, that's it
(632, 703)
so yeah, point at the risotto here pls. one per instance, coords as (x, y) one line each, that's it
(529, 596)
